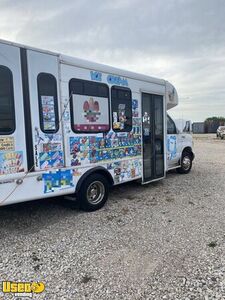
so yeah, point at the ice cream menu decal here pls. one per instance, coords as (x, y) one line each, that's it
(91, 113)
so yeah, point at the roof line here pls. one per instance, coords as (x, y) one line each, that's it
(69, 60)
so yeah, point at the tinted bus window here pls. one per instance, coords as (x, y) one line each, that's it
(171, 128)
(7, 111)
(48, 103)
(121, 109)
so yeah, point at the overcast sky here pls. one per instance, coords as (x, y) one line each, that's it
(182, 41)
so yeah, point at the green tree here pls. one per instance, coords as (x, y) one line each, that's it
(215, 119)
(212, 123)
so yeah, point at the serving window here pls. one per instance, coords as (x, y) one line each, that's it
(89, 106)
(121, 109)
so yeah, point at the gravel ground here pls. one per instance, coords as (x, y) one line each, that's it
(160, 241)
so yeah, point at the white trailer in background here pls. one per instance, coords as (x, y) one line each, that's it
(73, 127)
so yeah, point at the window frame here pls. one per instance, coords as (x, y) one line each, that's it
(72, 92)
(11, 85)
(56, 109)
(171, 120)
(117, 87)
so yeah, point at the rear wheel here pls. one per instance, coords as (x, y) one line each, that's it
(186, 163)
(93, 192)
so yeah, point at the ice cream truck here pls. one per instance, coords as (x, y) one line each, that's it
(74, 128)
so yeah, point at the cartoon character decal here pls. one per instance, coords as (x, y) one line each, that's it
(91, 110)
(171, 147)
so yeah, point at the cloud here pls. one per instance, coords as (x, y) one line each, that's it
(179, 40)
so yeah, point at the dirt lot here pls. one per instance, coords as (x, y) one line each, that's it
(161, 241)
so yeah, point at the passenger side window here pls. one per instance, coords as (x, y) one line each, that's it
(89, 106)
(171, 128)
(187, 127)
(121, 109)
(48, 102)
(7, 110)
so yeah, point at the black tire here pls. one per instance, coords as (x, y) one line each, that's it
(186, 163)
(93, 192)
(222, 137)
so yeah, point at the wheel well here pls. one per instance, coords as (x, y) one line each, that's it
(188, 150)
(97, 170)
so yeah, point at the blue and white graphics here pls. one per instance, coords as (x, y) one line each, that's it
(117, 80)
(111, 79)
(97, 76)
(171, 147)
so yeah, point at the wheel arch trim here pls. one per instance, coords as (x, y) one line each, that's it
(99, 170)
(189, 150)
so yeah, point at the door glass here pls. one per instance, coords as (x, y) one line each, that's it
(147, 136)
(159, 141)
(153, 136)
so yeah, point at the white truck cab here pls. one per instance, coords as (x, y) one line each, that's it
(179, 145)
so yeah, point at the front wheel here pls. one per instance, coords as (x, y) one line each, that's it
(186, 163)
(93, 192)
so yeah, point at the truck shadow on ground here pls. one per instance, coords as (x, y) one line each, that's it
(29, 217)
(34, 215)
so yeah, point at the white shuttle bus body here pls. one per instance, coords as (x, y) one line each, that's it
(73, 127)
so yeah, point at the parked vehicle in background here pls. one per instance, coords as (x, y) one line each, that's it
(220, 132)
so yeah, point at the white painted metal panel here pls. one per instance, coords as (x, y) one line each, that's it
(10, 58)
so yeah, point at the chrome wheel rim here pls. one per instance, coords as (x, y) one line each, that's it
(95, 192)
(186, 162)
